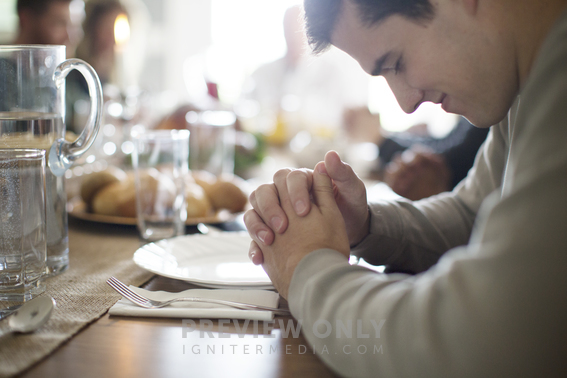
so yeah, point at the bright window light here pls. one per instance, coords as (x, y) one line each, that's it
(245, 34)
(8, 21)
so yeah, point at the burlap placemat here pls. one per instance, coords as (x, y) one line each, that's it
(82, 295)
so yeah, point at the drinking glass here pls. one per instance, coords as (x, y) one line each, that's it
(212, 141)
(160, 161)
(22, 224)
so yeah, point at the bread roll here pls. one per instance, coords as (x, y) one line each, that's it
(226, 193)
(116, 199)
(198, 204)
(119, 198)
(204, 179)
(95, 181)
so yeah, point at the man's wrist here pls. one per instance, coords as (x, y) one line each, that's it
(365, 230)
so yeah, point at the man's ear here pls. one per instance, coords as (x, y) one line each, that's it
(470, 6)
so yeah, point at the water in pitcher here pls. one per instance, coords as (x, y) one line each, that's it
(39, 130)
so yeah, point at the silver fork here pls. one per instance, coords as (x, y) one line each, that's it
(142, 301)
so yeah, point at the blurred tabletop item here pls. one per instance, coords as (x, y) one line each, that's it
(242, 159)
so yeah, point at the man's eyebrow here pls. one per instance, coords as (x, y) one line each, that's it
(378, 65)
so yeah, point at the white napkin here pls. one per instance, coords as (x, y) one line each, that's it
(201, 310)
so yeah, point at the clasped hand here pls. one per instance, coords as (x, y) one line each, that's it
(302, 211)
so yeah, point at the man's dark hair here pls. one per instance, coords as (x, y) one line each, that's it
(321, 16)
(36, 6)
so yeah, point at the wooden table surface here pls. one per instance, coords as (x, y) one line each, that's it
(150, 347)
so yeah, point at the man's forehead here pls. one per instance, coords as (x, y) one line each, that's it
(347, 25)
(354, 37)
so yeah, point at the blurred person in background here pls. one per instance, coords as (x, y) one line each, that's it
(414, 164)
(305, 92)
(50, 22)
(98, 44)
(98, 49)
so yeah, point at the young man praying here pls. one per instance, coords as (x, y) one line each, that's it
(489, 297)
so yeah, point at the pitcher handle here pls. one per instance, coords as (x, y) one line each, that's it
(62, 153)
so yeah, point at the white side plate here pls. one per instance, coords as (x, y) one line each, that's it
(214, 261)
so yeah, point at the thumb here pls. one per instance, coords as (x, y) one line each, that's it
(323, 193)
(347, 182)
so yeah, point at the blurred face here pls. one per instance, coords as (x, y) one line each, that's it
(294, 36)
(54, 26)
(456, 59)
(104, 37)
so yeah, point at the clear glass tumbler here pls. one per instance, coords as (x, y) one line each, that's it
(212, 141)
(22, 223)
(160, 160)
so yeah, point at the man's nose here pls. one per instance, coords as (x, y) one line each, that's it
(408, 98)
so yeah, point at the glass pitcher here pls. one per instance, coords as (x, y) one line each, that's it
(32, 113)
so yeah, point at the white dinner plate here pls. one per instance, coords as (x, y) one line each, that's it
(216, 261)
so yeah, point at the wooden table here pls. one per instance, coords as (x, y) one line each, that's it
(148, 347)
